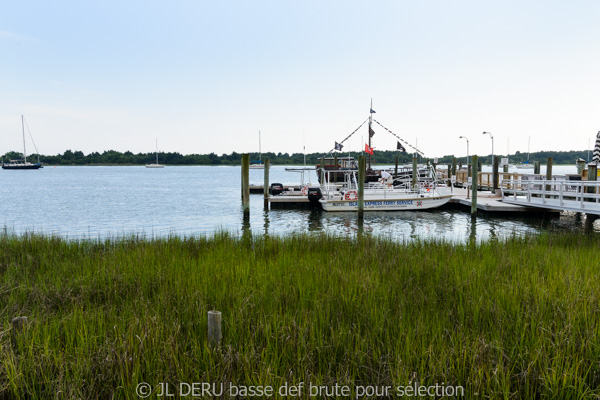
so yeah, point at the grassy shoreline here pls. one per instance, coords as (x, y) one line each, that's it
(517, 318)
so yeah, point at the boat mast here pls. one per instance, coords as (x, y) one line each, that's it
(259, 150)
(528, 143)
(23, 127)
(370, 130)
(156, 151)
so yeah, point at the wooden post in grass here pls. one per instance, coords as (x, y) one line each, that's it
(474, 179)
(18, 324)
(246, 183)
(361, 186)
(214, 328)
(266, 183)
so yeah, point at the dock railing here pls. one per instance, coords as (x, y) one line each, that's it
(485, 180)
(578, 196)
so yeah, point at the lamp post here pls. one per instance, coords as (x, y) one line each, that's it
(464, 137)
(488, 133)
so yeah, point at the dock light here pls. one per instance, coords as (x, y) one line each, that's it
(488, 133)
(464, 137)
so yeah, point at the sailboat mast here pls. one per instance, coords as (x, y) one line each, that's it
(259, 150)
(528, 143)
(156, 151)
(23, 128)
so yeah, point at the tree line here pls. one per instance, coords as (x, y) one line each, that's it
(112, 157)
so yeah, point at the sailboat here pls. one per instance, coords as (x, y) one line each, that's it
(22, 164)
(259, 164)
(526, 164)
(157, 165)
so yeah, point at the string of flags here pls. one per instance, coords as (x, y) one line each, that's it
(401, 140)
(339, 146)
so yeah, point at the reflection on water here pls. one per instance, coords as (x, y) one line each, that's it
(452, 225)
(96, 202)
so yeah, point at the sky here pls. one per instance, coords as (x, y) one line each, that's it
(206, 76)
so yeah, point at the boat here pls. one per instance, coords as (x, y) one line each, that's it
(22, 163)
(330, 168)
(383, 195)
(157, 165)
(525, 164)
(258, 164)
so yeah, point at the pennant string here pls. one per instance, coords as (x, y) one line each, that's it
(348, 137)
(399, 138)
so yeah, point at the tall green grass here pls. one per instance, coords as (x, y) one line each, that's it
(518, 318)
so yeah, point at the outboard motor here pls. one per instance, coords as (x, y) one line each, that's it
(276, 188)
(314, 194)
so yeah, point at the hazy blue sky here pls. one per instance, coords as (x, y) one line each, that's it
(206, 76)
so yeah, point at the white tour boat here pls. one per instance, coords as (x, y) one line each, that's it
(383, 196)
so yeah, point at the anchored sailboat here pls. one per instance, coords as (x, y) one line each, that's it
(22, 164)
(157, 165)
(259, 164)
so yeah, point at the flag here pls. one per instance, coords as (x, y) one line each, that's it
(400, 147)
(338, 146)
(368, 149)
(371, 132)
(372, 111)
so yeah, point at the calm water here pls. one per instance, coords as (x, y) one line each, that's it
(92, 202)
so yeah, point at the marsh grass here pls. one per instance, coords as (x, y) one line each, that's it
(517, 318)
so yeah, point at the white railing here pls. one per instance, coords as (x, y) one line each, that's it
(578, 196)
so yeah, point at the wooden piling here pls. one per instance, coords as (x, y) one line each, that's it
(474, 180)
(415, 172)
(361, 186)
(214, 328)
(266, 183)
(18, 325)
(454, 166)
(495, 175)
(549, 172)
(580, 164)
(592, 175)
(246, 183)
(536, 167)
(396, 169)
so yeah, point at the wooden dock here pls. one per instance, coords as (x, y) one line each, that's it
(492, 203)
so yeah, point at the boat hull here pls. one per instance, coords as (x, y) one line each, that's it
(22, 166)
(409, 203)
(154, 166)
